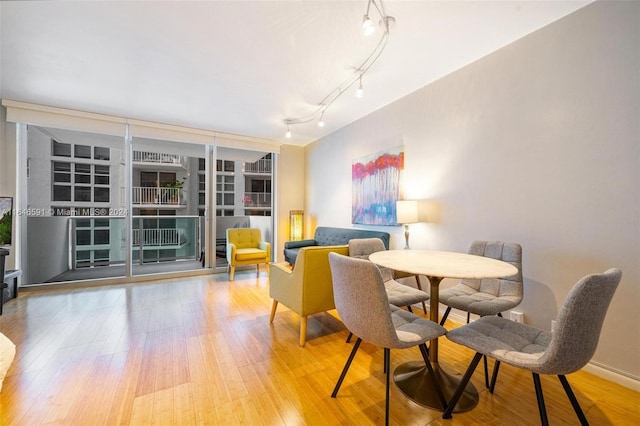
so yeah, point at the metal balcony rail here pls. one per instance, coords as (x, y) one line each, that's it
(257, 199)
(157, 158)
(260, 166)
(154, 195)
(159, 237)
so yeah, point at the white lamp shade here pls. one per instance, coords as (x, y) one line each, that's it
(407, 211)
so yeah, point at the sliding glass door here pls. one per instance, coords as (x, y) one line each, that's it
(111, 207)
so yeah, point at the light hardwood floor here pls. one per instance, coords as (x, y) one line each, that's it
(201, 351)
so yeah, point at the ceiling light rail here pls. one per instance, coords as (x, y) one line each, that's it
(368, 28)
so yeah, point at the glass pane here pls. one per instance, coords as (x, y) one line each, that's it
(101, 170)
(59, 166)
(82, 193)
(80, 178)
(101, 223)
(61, 149)
(73, 156)
(83, 168)
(101, 195)
(101, 153)
(101, 236)
(62, 177)
(228, 199)
(101, 180)
(83, 237)
(61, 193)
(82, 151)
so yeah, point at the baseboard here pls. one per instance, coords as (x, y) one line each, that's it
(592, 367)
(607, 373)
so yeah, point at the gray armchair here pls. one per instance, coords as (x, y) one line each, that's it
(565, 350)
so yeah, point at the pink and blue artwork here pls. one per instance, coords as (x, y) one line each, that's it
(376, 187)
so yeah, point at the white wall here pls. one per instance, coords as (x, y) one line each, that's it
(289, 184)
(538, 144)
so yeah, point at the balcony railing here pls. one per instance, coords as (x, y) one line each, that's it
(257, 199)
(166, 237)
(260, 166)
(159, 196)
(158, 158)
(101, 240)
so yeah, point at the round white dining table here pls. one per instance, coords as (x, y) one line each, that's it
(413, 378)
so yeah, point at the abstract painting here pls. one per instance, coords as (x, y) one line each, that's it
(376, 187)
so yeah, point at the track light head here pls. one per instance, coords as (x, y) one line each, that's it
(359, 90)
(288, 134)
(321, 121)
(367, 26)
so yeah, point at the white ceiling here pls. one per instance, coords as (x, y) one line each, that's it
(244, 66)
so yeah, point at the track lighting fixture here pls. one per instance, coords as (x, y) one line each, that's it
(359, 91)
(368, 28)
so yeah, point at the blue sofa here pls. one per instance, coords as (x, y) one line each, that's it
(327, 236)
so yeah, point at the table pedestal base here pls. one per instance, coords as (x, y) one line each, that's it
(415, 381)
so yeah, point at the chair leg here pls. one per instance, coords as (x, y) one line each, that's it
(232, 271)
(486, 371)
(387, 367)
(446, 314)
(409, 309)
(425, 355)
(303, 330)
(494, 376)
(349, 337)
(257, 270)
(386, 354)
(274, 306)
(346, 368)
(468, 317)
(419, 284)
(544, 421)
(574, 401)
(463, 384)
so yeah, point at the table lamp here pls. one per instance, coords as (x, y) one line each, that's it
(406, 213)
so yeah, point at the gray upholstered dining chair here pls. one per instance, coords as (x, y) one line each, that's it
(399, 294)
(487, 296)
(363, 306)
(565, 350)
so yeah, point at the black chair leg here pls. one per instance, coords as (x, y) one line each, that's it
(468, 317)
(387, 366)
(349, 337)
(425, 355)
(463, 384)
(346, 367)
(494, 377)
(574, 401)
(385, 363)
(544, 421)
(486, 371)
(446, 314)
(409, 309)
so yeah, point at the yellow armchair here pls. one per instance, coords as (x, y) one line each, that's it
(245, 247)
(308, 288)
